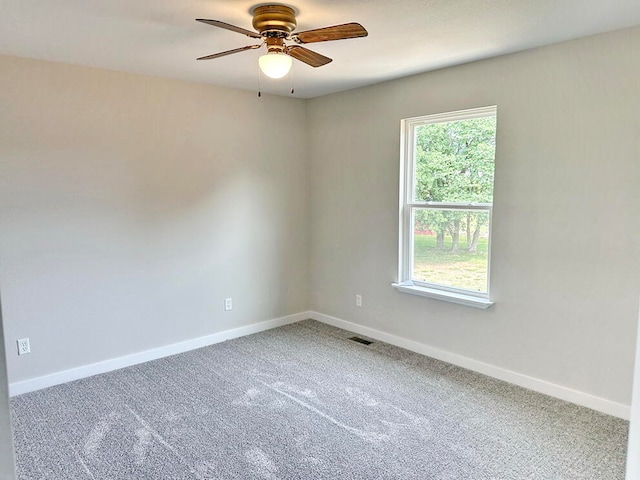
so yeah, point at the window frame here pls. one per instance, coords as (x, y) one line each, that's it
(408, 205)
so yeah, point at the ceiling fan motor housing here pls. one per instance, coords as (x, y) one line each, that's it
(274, 20)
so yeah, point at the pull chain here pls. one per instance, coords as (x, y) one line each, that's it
(259, 83)
(291, 77)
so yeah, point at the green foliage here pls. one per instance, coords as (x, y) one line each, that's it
(461, 269)
(454, 162)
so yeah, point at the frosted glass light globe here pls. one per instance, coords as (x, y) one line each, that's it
(275, 65)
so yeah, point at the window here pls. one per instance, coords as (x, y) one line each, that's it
(446, 197)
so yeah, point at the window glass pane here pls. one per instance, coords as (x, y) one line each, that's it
(454, 161)
(451, 248)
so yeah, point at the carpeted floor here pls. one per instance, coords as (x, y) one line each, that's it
(303, 402)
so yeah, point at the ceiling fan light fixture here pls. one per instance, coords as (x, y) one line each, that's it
(275, 64)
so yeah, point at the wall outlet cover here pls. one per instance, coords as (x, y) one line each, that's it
(24, 346)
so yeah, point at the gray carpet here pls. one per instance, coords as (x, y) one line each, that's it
(303, 402)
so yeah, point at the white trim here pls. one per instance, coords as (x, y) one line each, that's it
(488, 111)
(84, 371)
(408, 205)
(480, 207)
(468, 300)
(542, 386)
(574, 396)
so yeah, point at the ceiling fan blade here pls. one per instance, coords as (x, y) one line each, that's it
(226, 26)
(228, 52)
(337, 32)
(308, 56)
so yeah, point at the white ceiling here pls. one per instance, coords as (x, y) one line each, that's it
(160, 37)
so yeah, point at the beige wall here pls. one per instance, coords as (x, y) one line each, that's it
(131, 206)
(565, 266)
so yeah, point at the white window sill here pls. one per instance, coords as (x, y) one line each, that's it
(453, 297)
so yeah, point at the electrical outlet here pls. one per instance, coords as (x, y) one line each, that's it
(23, 346)
(228, 304)
(358, 300)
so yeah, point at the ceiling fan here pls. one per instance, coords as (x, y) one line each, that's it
(275, 25)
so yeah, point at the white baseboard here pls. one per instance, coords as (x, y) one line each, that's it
(58, 378)
(574, 396)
